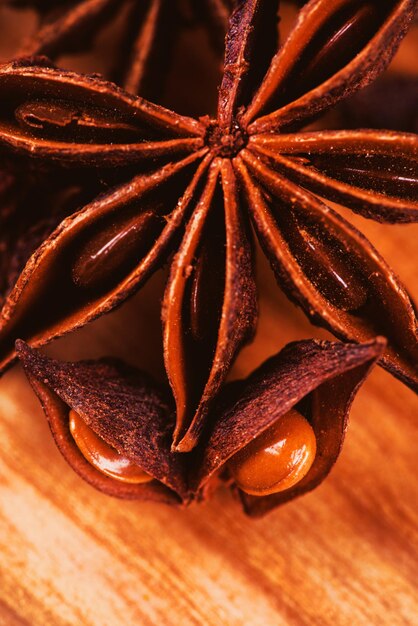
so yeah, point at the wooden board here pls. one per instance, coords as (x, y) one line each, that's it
(345, 554)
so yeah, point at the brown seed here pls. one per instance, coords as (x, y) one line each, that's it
(276, 460)
(349, 31)
(331, 271)
(102, 456)
(328, 266)
(114, 250)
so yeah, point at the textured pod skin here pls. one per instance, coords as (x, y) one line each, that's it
(122, 406)
(128, 411)
(320, 379)
(254, 160)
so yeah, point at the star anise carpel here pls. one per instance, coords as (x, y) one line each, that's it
(113, 425)
(200, 187)
(22, 231)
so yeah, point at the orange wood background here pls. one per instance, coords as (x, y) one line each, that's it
(344, 555)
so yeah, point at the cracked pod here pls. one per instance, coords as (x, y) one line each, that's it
(115, 416)
(280, 431)
(126, 411)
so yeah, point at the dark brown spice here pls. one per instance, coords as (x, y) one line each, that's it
(127, 411)
(249, 157)
(148, 32)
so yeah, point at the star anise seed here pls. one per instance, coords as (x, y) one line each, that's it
(125, 421)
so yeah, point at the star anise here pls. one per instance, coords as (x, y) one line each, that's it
(274, 436)
(149, 31)
(248, 161)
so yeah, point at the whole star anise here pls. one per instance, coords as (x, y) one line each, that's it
(113, 425)
(150, 28)
(203, 177)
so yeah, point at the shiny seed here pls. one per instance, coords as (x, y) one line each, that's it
(329, 267)
(344, 43)
(102, 456)
(332, 272)
(277, 459)
(346, 34)
(114, 250)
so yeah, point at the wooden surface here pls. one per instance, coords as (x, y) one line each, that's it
(345, 554)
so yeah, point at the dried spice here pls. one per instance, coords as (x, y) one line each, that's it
(150, 28)
(198, 179)
(23, 230)
(122, 409)
(148, 35)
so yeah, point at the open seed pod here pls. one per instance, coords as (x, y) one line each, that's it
(121, 420)
(104, 414)
(31, 206)
(281, 430)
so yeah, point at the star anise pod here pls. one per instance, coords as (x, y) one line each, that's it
(274, 436)
(150, 28)
(250, 160)
(23, 230)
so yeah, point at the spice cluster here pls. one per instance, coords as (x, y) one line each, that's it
(101, 186)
